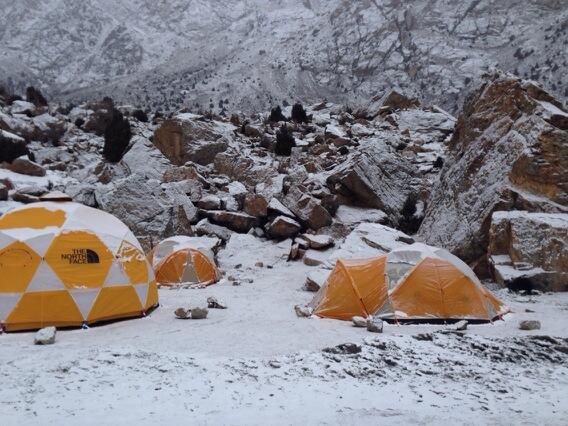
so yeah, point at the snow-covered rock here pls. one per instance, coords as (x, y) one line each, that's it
(505, 146)
(530, 249)
(45, 336)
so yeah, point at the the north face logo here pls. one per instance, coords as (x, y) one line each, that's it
(81, 256)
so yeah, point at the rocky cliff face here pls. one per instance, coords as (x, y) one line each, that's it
(393, 162)
(246, 54)
(509, 151)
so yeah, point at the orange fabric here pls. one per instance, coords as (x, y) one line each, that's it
(133, 262)
(437, 289)
(34, 310)
(79, 258)
(204, 269)
(354, 288)
(18, 264)
(115, 302)
(171, 269)
(42, 218)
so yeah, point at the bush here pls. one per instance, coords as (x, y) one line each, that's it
(79, 122)
(34, 96)
(117, 136)
(410, 222)
(276, 115)
(10, 150)
(299, 114)
(284, 141)
(140, 116)
(439, 163)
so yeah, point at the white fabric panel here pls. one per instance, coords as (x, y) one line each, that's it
(7, 303)
(45, 279)
(151, 275)
(24, 234)
(116, 276)
(84, 299)
(41, 243)
(141, 291)
(5, 239)
(97, 221)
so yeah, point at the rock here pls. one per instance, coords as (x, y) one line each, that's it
(426, 337)
(377, 178)
(529, 325)
(213, 303)
(252, 131)
(396, 100)
(204, 227)
(316, 257)
(283, 227)
(529, 251)
(182, 313)
(303, 311)
(307, 208)
(460, 325)
(3, 192)
(359, 321)
(294, 251)
(318, 242)
(11, 146)
(25, 166)
(238, 222)
(259, 264)
(245, 167)
(209, 202)
(149, 208)
(45, 336)
(276, 207)
(22, 107)
(255, 205)
(28, 194)
(186, 138)
(199, 313)
(352, 216)
(375, 325)
(144, 158)
(508, 152)
(344, 349)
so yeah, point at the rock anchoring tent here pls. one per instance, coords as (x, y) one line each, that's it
(416, 282)
(64, 264)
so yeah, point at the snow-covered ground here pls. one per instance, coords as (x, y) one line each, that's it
(257, 363)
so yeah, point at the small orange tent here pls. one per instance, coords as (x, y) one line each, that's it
(179, 260)
(416, 282)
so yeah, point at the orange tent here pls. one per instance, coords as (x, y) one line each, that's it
(179, 260)
(416, 282)
(64, 264)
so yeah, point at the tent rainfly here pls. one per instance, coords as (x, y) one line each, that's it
(415, 282)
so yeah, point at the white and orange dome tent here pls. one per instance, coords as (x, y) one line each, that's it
(416, 282)
(182, 259)
(65, 264)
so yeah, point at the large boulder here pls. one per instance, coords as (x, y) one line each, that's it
(186, 137)
(152, 210)
(509, 151)
(25, 166)
(144, 158)
(307, 208)
(283, 227)
(376, 177)
(237, 221)
(529, 250)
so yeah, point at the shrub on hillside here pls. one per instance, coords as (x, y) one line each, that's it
(299, 114)
(284, 141)
(276, 115)
(34, 96)
(410, 222)
(140, 115)
(117, 136)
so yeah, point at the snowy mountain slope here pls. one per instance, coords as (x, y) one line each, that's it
(249, 53)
